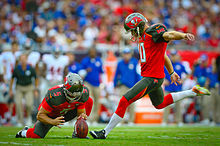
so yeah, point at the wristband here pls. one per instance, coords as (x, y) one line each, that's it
(172, 73)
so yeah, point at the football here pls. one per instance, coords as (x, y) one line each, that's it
(81, 128)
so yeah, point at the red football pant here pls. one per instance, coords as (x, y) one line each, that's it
(30, 133)
(168, 99)
(123, 104)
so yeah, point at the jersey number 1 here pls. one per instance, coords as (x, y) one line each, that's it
(142, 52)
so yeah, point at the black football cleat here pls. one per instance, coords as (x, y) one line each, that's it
(18, 135)
(74, 136)
(98, 134)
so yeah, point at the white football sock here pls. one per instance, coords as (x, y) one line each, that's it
(182, 94)
(23, 133)
(115, 119)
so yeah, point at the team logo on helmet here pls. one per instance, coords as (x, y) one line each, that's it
(135, 24)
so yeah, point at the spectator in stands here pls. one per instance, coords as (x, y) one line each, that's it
(17, 20)
(180, 70)
(91, 33)
(214, 41)
(126, 76)
(93, 66)
(40, 29)
(79, 44)
(24, 88)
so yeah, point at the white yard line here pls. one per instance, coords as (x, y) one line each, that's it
(15, 143)
(170, 137)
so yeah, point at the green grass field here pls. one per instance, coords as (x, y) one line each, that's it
(134, 136)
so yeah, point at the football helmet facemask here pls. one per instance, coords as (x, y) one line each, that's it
(135, 24)
(73, 87)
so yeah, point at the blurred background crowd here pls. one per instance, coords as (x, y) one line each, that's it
(42, 40)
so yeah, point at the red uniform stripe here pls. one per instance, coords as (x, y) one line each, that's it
(122, 106)
(167, 101)
(30, 133)
(55, 87)
(138, 96)
(46, 106)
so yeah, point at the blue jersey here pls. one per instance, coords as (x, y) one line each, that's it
(126, 73)
(179, 69)
(74, 67)
(201, 74)
(213, 77)
(95, 64)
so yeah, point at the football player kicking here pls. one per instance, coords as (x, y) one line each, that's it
(152, 44)
(61, 104)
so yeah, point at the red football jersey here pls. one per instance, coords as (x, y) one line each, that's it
(56, 103)
(152, 47)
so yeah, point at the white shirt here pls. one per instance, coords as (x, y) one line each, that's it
(55, 66)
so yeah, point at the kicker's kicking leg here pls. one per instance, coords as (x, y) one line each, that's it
(157, 96)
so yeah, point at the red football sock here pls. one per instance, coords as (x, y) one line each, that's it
(167, 101)
(30, 133)
(88, 106)
(122, 106)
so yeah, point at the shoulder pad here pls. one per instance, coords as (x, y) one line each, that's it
(55, 96)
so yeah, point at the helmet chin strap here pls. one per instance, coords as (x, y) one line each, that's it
(133, 38)
(138, 33)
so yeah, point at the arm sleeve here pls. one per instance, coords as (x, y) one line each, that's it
(46, 106)
(157, 32)
(46, 103)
